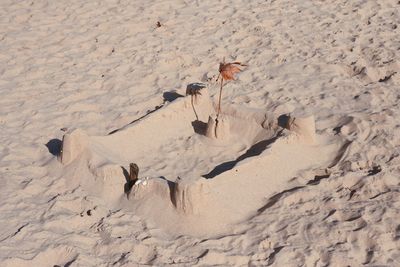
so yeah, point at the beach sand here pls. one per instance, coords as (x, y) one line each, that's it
(302, 170)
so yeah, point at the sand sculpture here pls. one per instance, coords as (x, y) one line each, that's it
(227, 171)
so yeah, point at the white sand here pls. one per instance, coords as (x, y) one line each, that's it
(275, 196)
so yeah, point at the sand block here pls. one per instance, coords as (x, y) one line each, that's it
(150, 186)
(189, 197)
(73, 144)
(304, 127)
(109, 182)
(218, 128)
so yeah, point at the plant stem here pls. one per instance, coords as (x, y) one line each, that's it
(219, 106)
(195, 113)
(219, 100)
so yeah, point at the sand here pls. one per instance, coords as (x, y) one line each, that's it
(302, 170)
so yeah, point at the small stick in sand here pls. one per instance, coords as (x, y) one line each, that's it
(227, 72)
(194, 90)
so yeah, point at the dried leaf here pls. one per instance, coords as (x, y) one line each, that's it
(228, 70)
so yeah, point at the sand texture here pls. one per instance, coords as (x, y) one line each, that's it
(301, 169)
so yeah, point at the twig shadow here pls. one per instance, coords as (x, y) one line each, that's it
(171, 96)
(138, 119)
(168, 96)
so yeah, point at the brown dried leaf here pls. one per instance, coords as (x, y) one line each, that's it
(228, 70)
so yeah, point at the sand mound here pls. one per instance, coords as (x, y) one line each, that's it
(199, 174)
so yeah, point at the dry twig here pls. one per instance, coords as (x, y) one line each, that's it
(227, 72)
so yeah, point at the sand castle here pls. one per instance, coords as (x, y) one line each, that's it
(236, 166)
